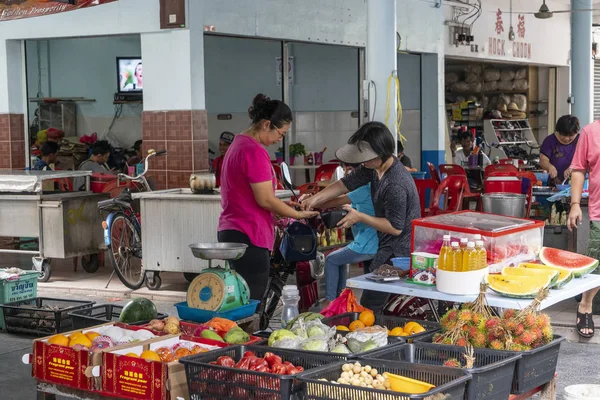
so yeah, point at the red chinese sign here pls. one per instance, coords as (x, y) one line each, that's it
(499, 23)
(18, 9)
(521, 26)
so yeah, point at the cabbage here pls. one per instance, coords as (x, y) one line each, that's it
(299, 329)
(318, 329)
(287, 343)
(340, 348)
(314, 344)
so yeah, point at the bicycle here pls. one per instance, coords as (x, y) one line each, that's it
(123, 233)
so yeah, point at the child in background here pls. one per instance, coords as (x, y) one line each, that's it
(363, 247)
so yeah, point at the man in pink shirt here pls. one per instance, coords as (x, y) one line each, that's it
(587, 160)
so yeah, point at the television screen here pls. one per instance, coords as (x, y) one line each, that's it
(129, 70)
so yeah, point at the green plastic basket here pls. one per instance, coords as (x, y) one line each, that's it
(22, 288)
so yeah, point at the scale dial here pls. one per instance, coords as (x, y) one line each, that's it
(207, 292)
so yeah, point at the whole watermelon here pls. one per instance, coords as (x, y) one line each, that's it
(138, 310)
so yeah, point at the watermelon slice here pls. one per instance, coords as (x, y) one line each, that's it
(578, 264)
(565, 275)
(519, 287)
(513, 272)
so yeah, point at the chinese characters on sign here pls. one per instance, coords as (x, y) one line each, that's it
(499, 23)
(497, 45)
(18, 9)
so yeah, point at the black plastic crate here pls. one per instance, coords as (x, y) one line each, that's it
(535, 367)
(41, 316)
(450, 382)
(387, 321)
(208, 381)
(102, 314)
(393, 342)
(492, 373)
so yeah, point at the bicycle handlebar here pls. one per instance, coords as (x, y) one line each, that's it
(151, 153)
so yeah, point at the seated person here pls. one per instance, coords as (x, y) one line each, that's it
(461, 157)
(47, 158)
(138, 157)
(97, 163)
(404, 159)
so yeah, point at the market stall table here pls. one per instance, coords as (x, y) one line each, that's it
(573, 288)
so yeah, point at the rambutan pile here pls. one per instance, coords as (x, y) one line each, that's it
(475, 324)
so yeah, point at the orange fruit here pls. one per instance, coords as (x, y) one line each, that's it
(342, 328)
(397, 331)
(131, 355)
(409, 325)
(354, 325)
(92, 335)
(150, 355)
(60, 340)
(367, 318)
(417, 329)
(72, 335)
(80, 339)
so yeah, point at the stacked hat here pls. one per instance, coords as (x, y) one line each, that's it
(515, 112)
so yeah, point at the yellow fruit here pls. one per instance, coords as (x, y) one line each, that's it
(397, 331)
(367, 318)
(342, 328)
(60, 340)
(80, 339)
(410, 325)
(150, 355)
(92, 335)
(74, 334)
(416, 329)
(131, 355)
(354, 325)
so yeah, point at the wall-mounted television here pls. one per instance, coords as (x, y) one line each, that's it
(130, 78)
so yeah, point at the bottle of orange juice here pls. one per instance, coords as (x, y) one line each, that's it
(444, 258)
(482, 254)
(470, 258)
(456, 258)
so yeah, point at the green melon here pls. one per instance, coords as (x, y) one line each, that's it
(138, 310)
(578, 264)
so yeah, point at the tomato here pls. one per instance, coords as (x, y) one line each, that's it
(225, 361)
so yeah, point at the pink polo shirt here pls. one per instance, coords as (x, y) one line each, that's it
(246, 162)
(587, 158)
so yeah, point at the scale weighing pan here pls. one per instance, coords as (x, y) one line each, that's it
(218, 251)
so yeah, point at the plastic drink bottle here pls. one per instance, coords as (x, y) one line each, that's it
(444, 258)
(290, 297)
(470, 258)
(482, 254)
(456, 257)
(476, 237)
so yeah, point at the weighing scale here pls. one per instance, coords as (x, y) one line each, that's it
(218, 289)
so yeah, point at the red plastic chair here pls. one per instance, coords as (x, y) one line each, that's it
(452, 189)
(325, 172)
(433, 173)
(277, 170)
(505, 169)
(423, 185)
(452, 169)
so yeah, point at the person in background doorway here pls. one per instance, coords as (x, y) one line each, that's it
(138, 156)
(224, 142)
(586, 160)
(394, 194)
(47, 158)
(404, 159)
(558, 149)
(97, 163)
(461, 157)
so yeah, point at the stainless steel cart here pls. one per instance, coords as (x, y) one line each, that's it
(66, 224)
(171, 220)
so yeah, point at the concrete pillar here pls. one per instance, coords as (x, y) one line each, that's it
(433, 110)
(12, 105)
(382, 59)
(581, 61)
(174, 116)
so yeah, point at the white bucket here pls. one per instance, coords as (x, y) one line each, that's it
(582, 392)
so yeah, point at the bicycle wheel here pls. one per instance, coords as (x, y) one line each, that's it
(125, 245)
(271, 305)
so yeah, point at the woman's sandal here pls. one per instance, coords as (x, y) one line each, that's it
(585, 321)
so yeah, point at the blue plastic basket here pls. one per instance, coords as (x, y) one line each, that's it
(418, 175)
(401, 262)
(198, 315)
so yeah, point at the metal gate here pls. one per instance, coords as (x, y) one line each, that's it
(596, 89)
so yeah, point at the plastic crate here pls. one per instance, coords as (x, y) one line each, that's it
(102, 314)
(198, 315)
(22, 287)
(388, 322)
(32, 317)
(535, 367)
(449, 382)
(492, 373)
(206, 380)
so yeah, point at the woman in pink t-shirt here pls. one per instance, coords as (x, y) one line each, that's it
(248, 184)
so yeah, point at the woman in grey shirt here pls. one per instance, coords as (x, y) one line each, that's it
(394, 194)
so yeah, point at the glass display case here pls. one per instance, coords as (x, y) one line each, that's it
(507, 240)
